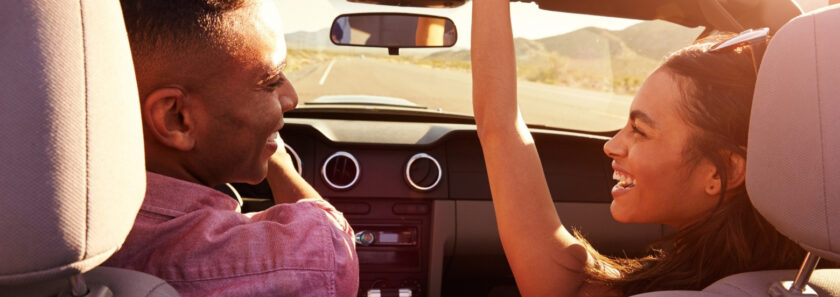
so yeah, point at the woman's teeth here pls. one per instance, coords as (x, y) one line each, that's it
(624, 181)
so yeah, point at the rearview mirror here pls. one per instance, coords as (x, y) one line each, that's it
(415, 3)
(393, 30)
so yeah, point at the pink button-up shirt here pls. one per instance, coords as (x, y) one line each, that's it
(195, 238)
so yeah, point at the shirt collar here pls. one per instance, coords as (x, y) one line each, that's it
(174, 197)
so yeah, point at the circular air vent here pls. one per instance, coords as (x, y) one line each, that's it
(340, 170)
(295, 158)
(423, 172)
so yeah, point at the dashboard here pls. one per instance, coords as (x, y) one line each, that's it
(417, 196)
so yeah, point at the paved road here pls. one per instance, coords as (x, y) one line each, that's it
(451, 90)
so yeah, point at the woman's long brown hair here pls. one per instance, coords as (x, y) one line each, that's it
(732, 238)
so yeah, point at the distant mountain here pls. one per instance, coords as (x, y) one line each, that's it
(594, 58)
(525, 50)
(459, 55)
(586, 43)
(657, 39)
(651, 39)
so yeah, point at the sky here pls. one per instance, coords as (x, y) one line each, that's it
(528, 20)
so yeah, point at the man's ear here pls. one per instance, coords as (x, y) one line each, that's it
(169, 119)
(734, 179)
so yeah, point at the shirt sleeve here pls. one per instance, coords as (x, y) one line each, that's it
(335, 217)
(343, 243)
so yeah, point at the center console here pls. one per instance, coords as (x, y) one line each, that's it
(392, 241)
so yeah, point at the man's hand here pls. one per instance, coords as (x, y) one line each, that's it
(281, 160)
(286, 184)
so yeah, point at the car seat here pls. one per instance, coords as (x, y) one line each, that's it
(72, 174)
(793, 158)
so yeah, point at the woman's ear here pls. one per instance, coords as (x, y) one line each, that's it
(737, 171)
(734, 179)
(713, 184)
(169, 119)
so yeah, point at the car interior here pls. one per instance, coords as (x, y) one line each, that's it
(409, 179)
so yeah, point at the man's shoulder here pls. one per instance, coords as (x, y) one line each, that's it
(185, 246)
(298, 241)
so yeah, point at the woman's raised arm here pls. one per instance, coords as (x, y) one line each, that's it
(545, 258)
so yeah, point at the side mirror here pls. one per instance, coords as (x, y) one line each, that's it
(393, 31)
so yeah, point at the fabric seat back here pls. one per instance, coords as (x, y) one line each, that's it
(72, 174)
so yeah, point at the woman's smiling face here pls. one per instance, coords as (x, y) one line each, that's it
(657, 182)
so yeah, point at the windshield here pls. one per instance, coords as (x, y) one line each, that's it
(576, 72)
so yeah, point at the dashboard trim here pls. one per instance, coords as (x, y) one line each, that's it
(336, 155)
(411, 161)
(295, 158)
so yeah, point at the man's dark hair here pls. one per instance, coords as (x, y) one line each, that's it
(174, 23)
(169, 37)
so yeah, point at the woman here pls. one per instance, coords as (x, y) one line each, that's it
(680, 161)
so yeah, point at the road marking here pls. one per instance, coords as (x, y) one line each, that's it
(327, 72)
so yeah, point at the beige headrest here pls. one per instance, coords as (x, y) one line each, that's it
(71, 148)
(793, 160)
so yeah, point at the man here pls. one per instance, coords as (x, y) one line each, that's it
(212, 96)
